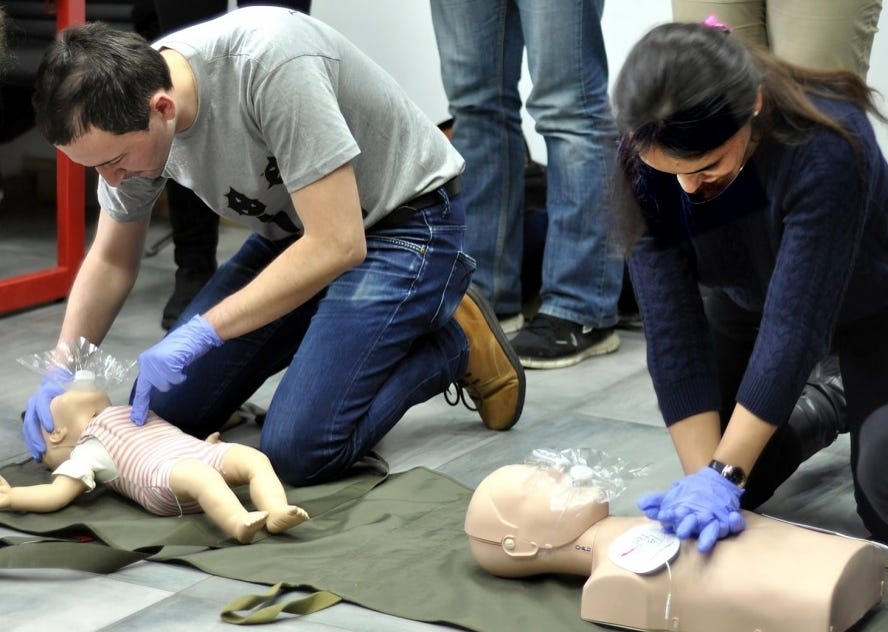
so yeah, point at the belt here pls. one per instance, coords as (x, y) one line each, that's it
(403, 213)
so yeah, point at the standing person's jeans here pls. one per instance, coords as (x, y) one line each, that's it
(480, 43)
(377, 341)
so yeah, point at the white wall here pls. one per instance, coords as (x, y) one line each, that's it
(398, 35)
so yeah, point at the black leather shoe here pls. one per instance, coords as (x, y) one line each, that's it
(820, 414)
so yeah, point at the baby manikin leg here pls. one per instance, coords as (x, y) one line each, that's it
(246, 465)
(196, 480)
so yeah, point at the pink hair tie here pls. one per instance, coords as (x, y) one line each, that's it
(713, 23)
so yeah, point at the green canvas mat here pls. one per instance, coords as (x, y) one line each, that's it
(389, 543)
(394, 544)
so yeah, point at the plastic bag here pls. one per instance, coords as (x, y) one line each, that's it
(67, 359)
(588, 468)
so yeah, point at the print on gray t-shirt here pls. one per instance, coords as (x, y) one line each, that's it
(285, 100)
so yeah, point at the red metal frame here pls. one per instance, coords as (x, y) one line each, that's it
(33, 288)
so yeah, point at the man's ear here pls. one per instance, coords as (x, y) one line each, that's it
(163, 103)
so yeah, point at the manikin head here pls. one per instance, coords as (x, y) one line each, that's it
(71, 412)
(522, 515)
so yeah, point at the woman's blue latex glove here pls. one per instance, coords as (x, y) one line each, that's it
(163, 365)
(704, 504)
(37, 413)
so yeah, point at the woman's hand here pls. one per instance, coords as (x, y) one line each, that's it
(703, 505)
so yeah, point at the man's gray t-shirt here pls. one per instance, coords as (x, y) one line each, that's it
(283, 101)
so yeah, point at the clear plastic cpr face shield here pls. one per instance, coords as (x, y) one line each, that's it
(67, 362)
(79, 366)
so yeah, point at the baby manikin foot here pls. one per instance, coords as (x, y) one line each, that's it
(247, 526)
(287, 517)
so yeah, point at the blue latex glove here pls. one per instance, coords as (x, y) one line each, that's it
(704, 504)
(650, 505)
(38, 414)
(163, 365)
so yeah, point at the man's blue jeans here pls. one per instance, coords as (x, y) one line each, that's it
(378, 340)
(480, 44)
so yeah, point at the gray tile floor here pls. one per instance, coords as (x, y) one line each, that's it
(605, 403)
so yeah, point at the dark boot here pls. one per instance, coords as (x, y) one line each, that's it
(819, 415)
(189, 282)
(195, 237)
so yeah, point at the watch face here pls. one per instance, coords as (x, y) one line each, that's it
(731, 472)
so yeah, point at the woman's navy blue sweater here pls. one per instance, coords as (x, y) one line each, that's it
(800, 237)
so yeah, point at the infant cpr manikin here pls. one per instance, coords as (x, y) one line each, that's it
(773, 577)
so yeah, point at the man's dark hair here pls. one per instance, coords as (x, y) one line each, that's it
(96, 76)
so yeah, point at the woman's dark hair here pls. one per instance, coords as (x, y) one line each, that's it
(686, 88)
(96, 76)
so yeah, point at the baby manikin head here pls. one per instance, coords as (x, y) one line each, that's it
(71, 412)
(522, 515)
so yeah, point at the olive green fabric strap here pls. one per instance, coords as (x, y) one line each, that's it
(266, 610)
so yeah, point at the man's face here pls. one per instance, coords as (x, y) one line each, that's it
(119, 156)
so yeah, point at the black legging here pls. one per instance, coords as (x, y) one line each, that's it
(863, 353)
(872, 475)
(862, 347)
(734, 331)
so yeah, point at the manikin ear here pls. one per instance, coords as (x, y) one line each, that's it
(58, 434)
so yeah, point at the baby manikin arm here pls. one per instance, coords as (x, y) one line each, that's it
(774, 576)
(44, 498)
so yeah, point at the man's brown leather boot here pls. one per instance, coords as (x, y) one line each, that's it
(494, 376)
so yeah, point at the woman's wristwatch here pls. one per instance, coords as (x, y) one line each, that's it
(731, 472)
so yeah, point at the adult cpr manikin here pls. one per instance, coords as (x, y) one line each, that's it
(774, 577)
